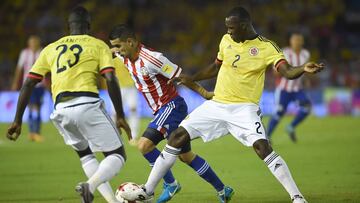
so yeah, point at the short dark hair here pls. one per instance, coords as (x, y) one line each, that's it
(239, 12)
(79, 15)
(122, 32)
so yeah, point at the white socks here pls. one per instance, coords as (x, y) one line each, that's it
(162, 165)
(281, 171)
(91, 166)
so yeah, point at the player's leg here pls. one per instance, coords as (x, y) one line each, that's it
(147, 146)
(278, 168)
(64, 120)
(201, 167)
(282, 99)
(203, 122)
(34, 114)
(251, 132)
(103, 136)
(163, 163)
(304, 111)
(90, 165)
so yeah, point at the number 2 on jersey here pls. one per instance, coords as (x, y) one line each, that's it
(75, 49)
(237, 58)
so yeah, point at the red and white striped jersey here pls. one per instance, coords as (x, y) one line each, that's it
(26, 60)
(151, 72)
(294, 59)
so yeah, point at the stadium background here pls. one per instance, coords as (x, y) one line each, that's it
(188, 32)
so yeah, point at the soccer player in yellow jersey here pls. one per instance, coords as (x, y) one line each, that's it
(240, 69)
(74, 62)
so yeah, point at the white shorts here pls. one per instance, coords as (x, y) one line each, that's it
(84, 122)
(129, 97)
(213, 120)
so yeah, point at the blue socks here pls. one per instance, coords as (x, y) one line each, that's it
(204, 170)
(300, 116)
(151, 157)
(34, 121)
(272, 124)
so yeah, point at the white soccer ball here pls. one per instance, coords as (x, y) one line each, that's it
(125, 192)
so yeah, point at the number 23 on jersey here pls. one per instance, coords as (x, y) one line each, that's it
(75, 50)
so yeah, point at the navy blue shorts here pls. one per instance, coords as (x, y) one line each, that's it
(169, 116)
(167, 119)
(37, 96)
(284, 98)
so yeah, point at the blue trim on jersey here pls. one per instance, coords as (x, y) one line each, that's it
(169, 116)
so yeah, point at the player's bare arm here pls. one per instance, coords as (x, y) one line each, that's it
(188, 82)
(115, 95)
(291, 72)
(14, 130)
(209, 72)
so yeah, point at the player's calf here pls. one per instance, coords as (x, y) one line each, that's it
(277, 167)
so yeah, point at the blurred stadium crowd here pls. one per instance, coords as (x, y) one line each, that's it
(188, 32)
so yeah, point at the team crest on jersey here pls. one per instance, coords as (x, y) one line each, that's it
(253, 51)
(144, 71)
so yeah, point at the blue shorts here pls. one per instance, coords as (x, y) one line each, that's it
(37, 96)
(284, 98)
(169, 116)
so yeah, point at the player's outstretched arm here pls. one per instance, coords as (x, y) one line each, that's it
(14, 130)
(188, 82)
(290, 72)
(209, 72)
(115, 96)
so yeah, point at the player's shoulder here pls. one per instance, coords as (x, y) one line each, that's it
(226, 38)
(269, 44)
(96, 41)
(149, 53)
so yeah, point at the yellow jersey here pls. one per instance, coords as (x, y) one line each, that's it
(242, 73)
(123, 74)
(74, 62)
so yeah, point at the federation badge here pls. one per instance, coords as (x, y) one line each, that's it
(253, 51)
(144, 71)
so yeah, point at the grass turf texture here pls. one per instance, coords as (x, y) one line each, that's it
(325, 164)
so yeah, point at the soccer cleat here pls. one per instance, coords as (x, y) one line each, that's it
(84, 191)
(291, 132)
(225, 194)
(168, 192)
(298, 199)
(142, 196)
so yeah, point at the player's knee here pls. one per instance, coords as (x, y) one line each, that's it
(145, 145)
(262, 148)
(179, 138)
(187, 157)
(120, 152)
(83, 152)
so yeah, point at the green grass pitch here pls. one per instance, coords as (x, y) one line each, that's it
(325, 164)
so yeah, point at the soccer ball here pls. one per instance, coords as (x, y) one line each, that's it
(125, 192)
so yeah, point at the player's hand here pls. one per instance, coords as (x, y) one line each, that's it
(209, 95)
(121, 123)
(14, 131)
(115, 50)
(312, 67)
(182, 79)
